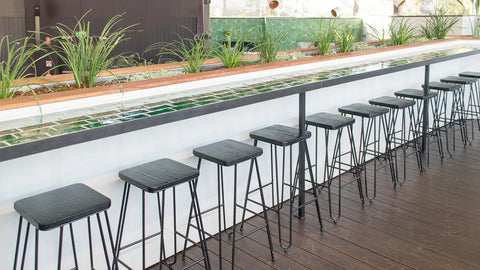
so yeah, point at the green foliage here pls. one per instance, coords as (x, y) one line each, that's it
(345, 38)
(267, 43)
(87, 55)
(129, 60)
(323, 33)
(189, 53)
(229, 54)
(379, 35)
(438, 25)
(291, 56)
(400, 31)
(18, 65)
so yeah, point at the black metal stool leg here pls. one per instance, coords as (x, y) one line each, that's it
(102, 236)
(269, 235)
(199, 222)
(121, 222)
(36, 249)
(74, 250)
(17, 245)
(25, 246)
(90, 243)
(60, 240)
(354, 161)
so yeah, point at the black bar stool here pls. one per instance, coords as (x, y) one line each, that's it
(473, 106)
(228, 153)
(284, 137)
(419, 97)
(470, 109)
(371, 115)
(156, 177)
(398, 137)
(334, 122)
(57, 208)
(456, 111)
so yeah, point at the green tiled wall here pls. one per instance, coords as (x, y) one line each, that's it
(300, 28)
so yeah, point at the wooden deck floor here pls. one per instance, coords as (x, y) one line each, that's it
(430, 222)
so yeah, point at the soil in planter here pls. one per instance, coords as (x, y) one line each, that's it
(57, 88)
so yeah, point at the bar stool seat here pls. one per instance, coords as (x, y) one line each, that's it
(279, 135)
(156, 177)
(227, 152)
(59, 207)
(458, 80)
(392, 102)
(363, 110)
(442, 86)
(415, 94)
(329, 120)
(470, 74)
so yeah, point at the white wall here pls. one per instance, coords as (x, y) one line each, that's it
(97, 163)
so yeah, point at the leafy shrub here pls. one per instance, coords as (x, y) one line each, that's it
(87, 55)
(438, 25)
(19, 63)
(400, 31)
(323, 33)
(189, 53)
(345, 38)
(230, 53)
(268, 43)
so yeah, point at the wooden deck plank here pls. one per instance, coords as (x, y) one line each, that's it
(430, 222)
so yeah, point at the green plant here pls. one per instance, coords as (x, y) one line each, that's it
(230, 53)
(20, 58)
(87, 55)
(344, 38)
(438, 25)
(379, 35)
(323, 33)
(189, 53)
(400, 31)
(268, 43)
(476, 10)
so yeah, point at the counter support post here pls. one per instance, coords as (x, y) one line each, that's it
(301, 156)
(426, 91)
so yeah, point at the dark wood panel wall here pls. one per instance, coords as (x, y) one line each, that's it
(158, 19)
(12, 20)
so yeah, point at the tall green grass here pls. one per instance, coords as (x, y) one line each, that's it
(344, 38)
(20, 58)
(378, 34)
(83, 53)
(268, 42)
(438, 25)
(401, 31)
(189, 53)
(231, 53)
(322, 34)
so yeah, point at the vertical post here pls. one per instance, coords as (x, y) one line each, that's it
(301, 156)
(426, 91)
